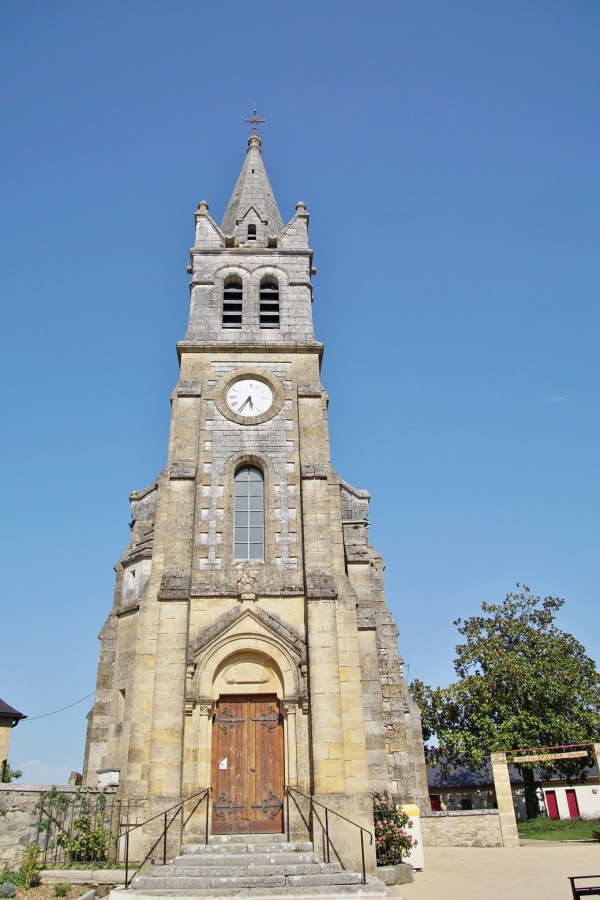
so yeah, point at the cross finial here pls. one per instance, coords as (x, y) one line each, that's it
(254, 121)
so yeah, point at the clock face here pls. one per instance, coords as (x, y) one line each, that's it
(248, 397)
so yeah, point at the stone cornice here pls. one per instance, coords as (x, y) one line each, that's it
(250, 347)
(127, 610)
(174, 587)
(251, 251)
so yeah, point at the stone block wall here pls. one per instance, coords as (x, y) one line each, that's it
(468, 828)
(19, 814)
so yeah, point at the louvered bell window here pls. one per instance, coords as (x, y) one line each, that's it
(232, 304)
(269, 304)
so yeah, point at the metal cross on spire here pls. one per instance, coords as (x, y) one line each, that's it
(254, 121)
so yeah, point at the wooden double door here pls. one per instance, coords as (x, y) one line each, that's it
(247, 764)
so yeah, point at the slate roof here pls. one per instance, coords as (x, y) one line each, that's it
(7, 712)
(461, 777)
(253, 189)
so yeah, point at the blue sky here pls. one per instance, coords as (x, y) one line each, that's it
(448, 155)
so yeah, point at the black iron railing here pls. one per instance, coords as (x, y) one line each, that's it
(179, 808)
(82, 827)
(327, 843)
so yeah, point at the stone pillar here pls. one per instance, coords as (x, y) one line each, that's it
(504, 799)
(166, 737)
(289, 709)
(206, 707)
(596, 752)
(327, 735)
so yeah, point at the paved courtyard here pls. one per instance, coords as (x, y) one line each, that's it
(536, 871)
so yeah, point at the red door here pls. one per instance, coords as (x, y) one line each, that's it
(552, 805)
(247, 753)
(436, 805)
(572, 803)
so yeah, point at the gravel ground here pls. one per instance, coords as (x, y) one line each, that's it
(46, 892)
(536, 871)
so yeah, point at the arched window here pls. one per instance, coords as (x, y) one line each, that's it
(249, 522)
(269, 303)
(232, 302)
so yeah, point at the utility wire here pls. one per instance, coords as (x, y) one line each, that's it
(31, 718)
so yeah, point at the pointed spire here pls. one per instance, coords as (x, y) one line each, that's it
(253, 191)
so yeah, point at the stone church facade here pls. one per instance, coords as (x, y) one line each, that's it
(249, 645)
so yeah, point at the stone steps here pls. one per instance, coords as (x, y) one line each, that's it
(244, 859)
(374, 890)
(183, 871)
(254, 866)
(221, 839)
(250, 847)
(270, 879)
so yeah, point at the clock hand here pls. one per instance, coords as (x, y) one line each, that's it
(248, 400)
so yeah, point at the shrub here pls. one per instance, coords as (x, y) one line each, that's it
(61, 890)
(88, 841)
(391, 830)
(30, 866)
(10, 877)
(7, 889)
(87, 838)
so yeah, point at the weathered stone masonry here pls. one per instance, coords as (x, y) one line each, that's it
(307, 622)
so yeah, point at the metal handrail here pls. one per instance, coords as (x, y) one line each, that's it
(205, 792)
(313, 802)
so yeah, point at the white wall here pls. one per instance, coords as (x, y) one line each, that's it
(588, 799)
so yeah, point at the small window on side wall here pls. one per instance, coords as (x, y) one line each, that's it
(251, 232)
(269, 303)
(232, 303)
(249, 515)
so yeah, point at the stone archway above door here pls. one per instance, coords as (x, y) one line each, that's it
(248, 644)
(248, 672)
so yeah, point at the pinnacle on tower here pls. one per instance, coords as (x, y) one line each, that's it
(252, 202)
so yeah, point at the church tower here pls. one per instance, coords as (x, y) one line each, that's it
(249, 645)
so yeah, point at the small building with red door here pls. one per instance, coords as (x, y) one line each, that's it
(463, 789)
(571, 801)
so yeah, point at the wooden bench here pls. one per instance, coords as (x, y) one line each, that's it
(585, 890)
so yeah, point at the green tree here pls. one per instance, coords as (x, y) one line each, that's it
(9, 774)
(522, 682)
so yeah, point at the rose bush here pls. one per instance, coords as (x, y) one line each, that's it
(392, 839)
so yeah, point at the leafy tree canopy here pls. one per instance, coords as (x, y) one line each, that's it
(522, 682)
(9, 774)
